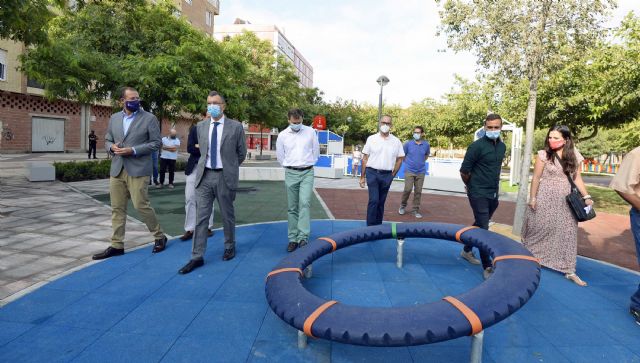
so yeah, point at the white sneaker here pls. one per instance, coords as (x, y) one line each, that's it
(487, 272)
(418, 215)
(469, 257)
(401, 211)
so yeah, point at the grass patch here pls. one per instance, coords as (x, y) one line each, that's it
(608, 201)
(505, 187)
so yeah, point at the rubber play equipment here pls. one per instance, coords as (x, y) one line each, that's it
(515, 279)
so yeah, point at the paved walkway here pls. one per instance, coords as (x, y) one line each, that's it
(48, 228)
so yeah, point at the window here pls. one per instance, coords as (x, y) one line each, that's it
(3, 65)
(208, 18)
(188, 1)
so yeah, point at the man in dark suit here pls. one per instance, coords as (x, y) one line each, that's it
(93, 142)
(132, 135)
(223, 147)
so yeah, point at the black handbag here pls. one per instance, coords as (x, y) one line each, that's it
(575, 201)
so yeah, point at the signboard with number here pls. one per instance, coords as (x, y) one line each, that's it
(319, 122)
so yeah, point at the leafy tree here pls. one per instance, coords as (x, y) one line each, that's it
(104, 45)
(27, 21)
(522, 39)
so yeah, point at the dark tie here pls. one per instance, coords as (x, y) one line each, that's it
(214, 145)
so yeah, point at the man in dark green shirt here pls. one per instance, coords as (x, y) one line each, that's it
(480, 172)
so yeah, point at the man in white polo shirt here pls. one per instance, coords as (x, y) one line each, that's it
(383, 154)
(168, 156)
(297, 150)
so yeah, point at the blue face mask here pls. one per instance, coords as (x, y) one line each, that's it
(214, 110)
(295, 127)
(132, 106)
(493, 135)
(416, 137)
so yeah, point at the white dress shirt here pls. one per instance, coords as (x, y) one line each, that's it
(219, 159)
(382, 151)
(297, 149)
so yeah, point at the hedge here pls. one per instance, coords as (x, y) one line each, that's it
(88, 170)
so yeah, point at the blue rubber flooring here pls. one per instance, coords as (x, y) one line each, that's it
(136, 308)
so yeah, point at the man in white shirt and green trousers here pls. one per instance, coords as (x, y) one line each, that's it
(297, 150)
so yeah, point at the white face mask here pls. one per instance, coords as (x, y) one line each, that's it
(295, 127)
(385, 129)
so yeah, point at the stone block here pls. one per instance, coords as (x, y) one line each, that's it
(40, 171)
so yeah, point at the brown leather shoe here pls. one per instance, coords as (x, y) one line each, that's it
(229, 254)
(186, 236)
(159, 245)
(292, 246)
(109, 252)
(209, 232)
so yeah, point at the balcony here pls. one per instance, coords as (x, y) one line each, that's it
(216, 5)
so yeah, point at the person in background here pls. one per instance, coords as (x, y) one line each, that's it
(627, 184)
(382, 159)
(169, 156)
(190, 187)
(550, 230)
(297, 150)
(132, 135)
(93, 144)
(357, 157)
(154, 165)
(480, 172)
(416, 153)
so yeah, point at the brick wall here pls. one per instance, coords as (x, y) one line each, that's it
(17, 110)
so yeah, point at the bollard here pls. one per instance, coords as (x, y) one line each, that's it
(476, 347)
(302, 340)
(400, 246)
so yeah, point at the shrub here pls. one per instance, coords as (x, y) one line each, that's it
(82, 170)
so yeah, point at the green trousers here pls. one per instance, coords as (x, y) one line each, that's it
(299, 186)
(121, 188)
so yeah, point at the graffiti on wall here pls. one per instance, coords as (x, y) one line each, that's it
(49, 139)
(7, 134)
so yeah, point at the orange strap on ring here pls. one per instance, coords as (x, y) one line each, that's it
(474, 320)
(333, 243)
(312, 318)
(460, 232)
(516, 257)
(287, 269)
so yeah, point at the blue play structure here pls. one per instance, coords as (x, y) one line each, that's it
(515, 279)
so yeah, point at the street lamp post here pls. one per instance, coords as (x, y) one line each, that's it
(382, 81)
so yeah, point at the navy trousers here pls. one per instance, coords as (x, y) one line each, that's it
(483, 209)
(635, 230)
(378, 182)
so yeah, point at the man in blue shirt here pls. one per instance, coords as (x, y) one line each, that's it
(416, 151)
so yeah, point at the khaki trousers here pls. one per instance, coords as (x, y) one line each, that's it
(415, 182)
(121, 188)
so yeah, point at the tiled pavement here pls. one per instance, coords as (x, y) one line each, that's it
(47, 228)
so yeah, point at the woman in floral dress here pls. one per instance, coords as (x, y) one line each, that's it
(550, 230)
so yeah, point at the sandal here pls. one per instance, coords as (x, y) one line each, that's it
(577, 280)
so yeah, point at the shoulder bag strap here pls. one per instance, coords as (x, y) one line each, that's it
(573, 185)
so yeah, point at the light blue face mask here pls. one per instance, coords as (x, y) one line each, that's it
(296, 127)
(493, 135)
(416, 137)
(214, 110)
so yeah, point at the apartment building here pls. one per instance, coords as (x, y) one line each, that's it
(30, 123)
(273, 34)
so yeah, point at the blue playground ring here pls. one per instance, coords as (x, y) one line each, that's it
(513, 283)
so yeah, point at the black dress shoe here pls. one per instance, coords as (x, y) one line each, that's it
(636, 314)
(302, 243)
(109, 252)
(190, 266)
(187, 236)
(159, 245)
(209, 232)
(292, 246)
(229, 254)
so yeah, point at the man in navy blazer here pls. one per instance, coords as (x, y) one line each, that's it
(132, 135)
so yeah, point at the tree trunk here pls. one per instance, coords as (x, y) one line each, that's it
(261, 146)
(523, 191)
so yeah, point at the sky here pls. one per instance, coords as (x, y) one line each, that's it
(351, 43)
